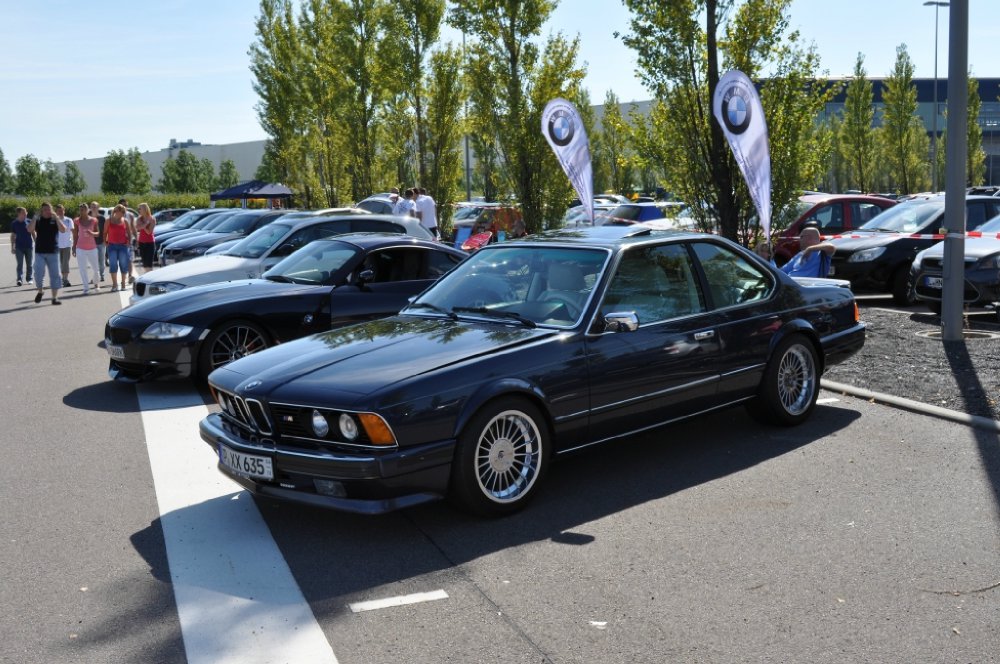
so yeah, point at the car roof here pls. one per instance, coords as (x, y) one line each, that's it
(606, 236)
(298, 222)
(822, 198)
(373, 240)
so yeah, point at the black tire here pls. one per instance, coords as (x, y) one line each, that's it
(230, 341)
(787, 394)
(502, 454)
(902, 294)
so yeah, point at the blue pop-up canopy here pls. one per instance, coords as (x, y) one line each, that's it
(253, 189)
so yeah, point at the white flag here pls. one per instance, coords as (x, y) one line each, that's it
(563, 129)
(737, 108)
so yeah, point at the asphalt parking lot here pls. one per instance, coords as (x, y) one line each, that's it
(869, 534)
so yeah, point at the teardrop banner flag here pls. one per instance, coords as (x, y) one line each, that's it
(563, 129)
(736, 106)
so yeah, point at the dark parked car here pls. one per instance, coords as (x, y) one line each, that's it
(237, 226)
(529, 349)
(982, 270)
(832, 214)
(208, 220)
(186, 220)
(878, 256)
(328, 283)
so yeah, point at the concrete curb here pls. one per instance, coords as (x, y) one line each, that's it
(915, 406)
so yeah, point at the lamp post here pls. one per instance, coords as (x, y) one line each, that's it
(934, 173)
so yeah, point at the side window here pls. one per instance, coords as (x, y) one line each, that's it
(731, 278)
(975, 215)
(830, 218)
(306, 235)
(394, 265)
(862, 213)
(375, 226)
(657, 283)
(439, 263)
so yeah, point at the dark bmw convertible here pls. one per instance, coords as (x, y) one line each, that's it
(527, 350)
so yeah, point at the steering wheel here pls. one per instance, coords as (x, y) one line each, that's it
(572, 307)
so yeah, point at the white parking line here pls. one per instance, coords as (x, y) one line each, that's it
(236, 598)
(400, 600)
(830, 400)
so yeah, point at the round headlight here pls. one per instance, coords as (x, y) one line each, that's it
(348, 427)
(319, 424)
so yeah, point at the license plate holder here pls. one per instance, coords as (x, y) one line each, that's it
(936, 283)
(246, 465)
(116, 352)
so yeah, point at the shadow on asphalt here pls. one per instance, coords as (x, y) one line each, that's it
(973, 392)
(112, 396)
(333, 554)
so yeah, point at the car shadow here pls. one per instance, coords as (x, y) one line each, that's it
(335, 555)
(111, 396)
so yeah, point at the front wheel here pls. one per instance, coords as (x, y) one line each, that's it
(902, 294)
(787, 394)
(500, 457)
(230, 341)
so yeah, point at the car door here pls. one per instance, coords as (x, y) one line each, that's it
(385, 281)
(665, 368)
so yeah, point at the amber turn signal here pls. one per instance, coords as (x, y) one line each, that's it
(376, 428)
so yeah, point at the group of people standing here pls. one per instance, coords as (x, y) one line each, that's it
(416, 202)
(47, 241)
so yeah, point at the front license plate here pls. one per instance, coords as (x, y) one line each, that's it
(116, 352)
(249, 465)
(934, 282)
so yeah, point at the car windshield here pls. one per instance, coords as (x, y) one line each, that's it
(630, 212)
(320, 262)
(238, 222)
(523, 285)
(189, 219)
(909, 217)
(211, 221)
(258, 242)
(991, 226)
(465, 213)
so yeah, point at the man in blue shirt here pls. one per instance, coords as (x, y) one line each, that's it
(813, 259)
(22, 245)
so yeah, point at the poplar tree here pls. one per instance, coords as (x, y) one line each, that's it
(421, 20)
(975, 160)
(615, 148)
(443, 132)
(903, 135)
(857, 136)
(228, 175)
(74, 183)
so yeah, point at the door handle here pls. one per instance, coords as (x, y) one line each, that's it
(701, 336)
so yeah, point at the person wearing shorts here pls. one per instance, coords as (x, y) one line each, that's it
(116, 237)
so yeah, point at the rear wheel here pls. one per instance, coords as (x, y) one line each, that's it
(230, 341)
(787, 394)
(500, 457)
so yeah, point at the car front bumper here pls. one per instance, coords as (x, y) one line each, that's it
(366, 482)
(980, 287)
(133, 359)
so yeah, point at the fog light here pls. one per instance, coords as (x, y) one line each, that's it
(319, 424)
(348, 427)
(330, 488)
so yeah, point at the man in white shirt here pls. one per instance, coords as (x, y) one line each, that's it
(427, 211)
(404, 206)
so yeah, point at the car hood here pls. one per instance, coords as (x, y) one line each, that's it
(173, 307)
(365, 358)
(203, 270)
(975, 248)
(866, 241)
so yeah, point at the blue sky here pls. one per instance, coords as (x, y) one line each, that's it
(115, 74)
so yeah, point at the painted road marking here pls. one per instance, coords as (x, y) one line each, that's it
(236, 598)
(830, 400)
(400, 600)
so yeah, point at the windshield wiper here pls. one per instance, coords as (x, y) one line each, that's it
(433, 307)
(496, 313)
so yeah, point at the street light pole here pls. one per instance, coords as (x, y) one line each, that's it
(934, 170)
(468, 165)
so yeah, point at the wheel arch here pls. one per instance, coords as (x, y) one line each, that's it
(506, 387)
(802, 327)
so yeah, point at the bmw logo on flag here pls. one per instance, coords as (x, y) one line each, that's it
(561, 128)
(736, 109)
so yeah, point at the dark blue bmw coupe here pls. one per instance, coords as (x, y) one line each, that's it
(527, 350)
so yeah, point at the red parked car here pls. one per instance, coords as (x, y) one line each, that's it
(833, 214)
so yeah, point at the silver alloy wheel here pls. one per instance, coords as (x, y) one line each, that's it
(235, 342)
(796, 380)
(508, 456)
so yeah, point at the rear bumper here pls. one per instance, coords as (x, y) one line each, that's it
(366, 483)
(842, 345)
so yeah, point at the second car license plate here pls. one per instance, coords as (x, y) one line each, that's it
(249, 465)
(933, 282)
(116, 352)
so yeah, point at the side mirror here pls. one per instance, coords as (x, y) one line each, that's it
(366, 275)
(621, 321)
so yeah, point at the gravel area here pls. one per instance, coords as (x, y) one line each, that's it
(961, 376)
